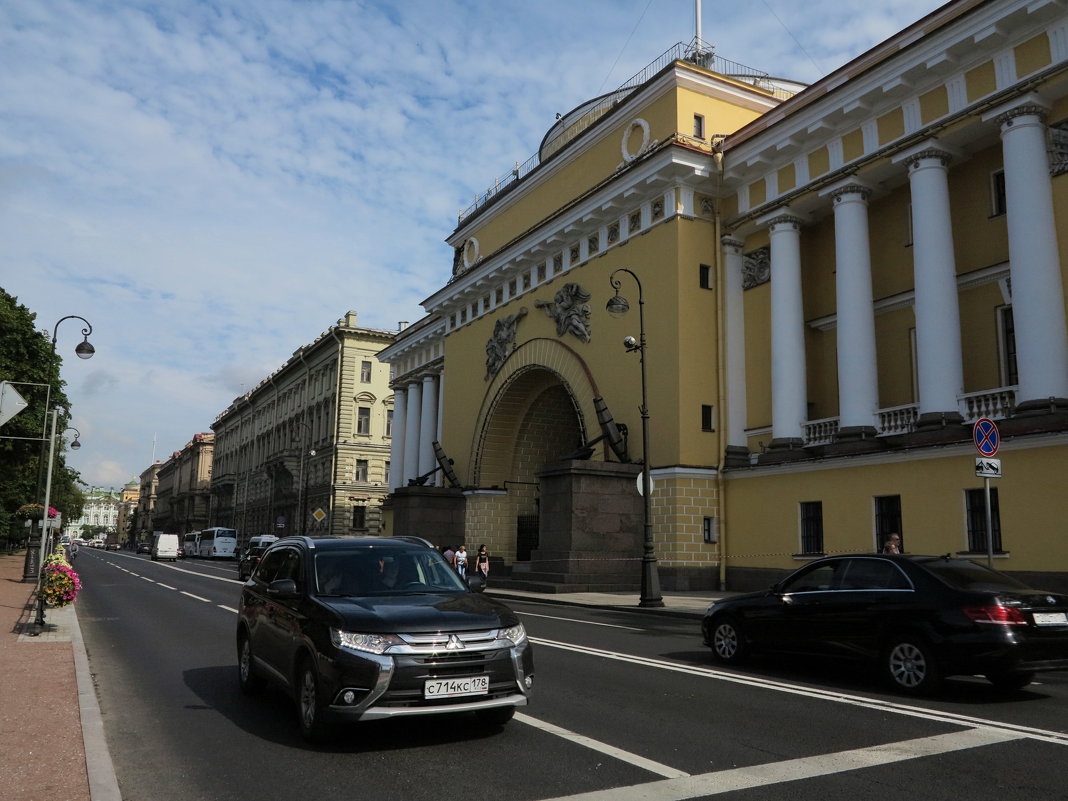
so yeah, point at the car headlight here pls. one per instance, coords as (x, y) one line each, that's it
(517, 634)
(368, 643)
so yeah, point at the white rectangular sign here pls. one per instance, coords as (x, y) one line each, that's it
(988, 468)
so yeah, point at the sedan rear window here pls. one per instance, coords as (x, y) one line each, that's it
(965, 575)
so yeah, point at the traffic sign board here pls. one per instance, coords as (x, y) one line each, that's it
(11, 402)
(988, 468)
(986, 437)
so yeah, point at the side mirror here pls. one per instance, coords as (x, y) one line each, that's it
(476, 584)
(283, 588)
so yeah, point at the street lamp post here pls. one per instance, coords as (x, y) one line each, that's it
(84, 350)
(617, 306)
(46, 537)
(300, 479)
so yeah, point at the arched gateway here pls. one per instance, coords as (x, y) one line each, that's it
(558, 520)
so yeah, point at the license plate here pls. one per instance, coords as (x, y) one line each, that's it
(453, 688)
(1050, 619)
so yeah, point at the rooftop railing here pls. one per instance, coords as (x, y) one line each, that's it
(579, 120)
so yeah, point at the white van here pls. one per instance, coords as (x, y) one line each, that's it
(165, 546)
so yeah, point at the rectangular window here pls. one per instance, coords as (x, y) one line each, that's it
(706, 276)
(1010, 376)
(359, 517)
(707, 412)
(710, 530)
(363, 420)
(365, 372)
(811, 527)
(698, 126)
(976, 502)
(997, 193)
(387, 471)
(361, 470)
(887, 519)
(541, 273)
(389, 423)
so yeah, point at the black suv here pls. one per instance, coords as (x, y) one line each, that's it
(367, 629)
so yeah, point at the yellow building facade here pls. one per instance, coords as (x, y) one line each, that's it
(835, 285)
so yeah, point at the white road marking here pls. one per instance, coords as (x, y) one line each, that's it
(603, 748)
(727, 781)
(227, 608)
(587, 622)
(197, 597)
(166, 586)
(1045, 735)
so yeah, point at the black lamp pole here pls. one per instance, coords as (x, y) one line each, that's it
(618, 305)
(84, 350)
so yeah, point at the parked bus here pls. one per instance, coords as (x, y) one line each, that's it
(191, 544)
(218, 543)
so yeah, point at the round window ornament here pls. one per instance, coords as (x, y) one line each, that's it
(470, 252)
(640, 125)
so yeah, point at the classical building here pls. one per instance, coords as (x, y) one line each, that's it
(131, 491)
(100, 511)
(307, 450)
(183, 488)
(143, 522)
(829, 287)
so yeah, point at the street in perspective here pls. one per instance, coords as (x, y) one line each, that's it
(446, 400)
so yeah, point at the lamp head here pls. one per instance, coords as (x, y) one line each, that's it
(85, 349)
(617, 305)
(630, 343)
(74, 445)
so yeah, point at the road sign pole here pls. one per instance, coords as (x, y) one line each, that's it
(989, 528)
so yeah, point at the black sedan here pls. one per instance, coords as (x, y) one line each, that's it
(920, 618)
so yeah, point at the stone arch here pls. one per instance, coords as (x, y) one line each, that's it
(539, 376)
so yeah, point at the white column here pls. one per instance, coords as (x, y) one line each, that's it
(411, 431)
(789, 393)
(858, 381)
(938, 346)
(428, 425)
(441, 401)
(1037, 291)
(735, 346)
(396, 443)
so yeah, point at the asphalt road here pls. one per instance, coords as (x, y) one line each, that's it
(627, 705)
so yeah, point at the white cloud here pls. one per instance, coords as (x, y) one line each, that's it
(213, 184)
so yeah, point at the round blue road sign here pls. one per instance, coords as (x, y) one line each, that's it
(986, 437)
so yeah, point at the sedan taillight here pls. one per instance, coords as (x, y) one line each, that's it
(998, 614)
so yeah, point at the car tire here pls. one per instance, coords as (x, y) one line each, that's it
(911, 666)
(251, 683)
(1010, 681)
(311, 712)
(497, 716)
(727, 641)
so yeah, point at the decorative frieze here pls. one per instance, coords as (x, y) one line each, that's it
(756, 267)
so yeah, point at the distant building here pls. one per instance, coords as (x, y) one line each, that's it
(100, 510)
(183, 493)
(307, 450)
(127, 509)
(143, 523)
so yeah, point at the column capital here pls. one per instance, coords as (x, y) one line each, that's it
(731, 243)
(1030, 105)
(849, 186)
(782, 217)
(931, 150)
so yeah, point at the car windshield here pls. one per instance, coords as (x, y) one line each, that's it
(369, 571)
(965, 575)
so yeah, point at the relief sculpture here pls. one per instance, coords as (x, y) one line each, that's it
(502, 343)
(570, 310)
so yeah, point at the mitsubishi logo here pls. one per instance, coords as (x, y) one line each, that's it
(454, 643)
(1051, 600)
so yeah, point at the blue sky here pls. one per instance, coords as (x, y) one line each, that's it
(213, 184)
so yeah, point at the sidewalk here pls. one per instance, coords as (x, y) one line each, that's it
(52, 745)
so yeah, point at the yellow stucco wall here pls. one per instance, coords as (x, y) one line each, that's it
(1032, 55)
(763, 510)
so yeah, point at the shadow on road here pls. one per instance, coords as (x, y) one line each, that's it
(272, 716)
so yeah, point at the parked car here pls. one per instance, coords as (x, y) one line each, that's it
(112, 546)
(920, 618)
(144, 547)
(368, 629)
(248, 560)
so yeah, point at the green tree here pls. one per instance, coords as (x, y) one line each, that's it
(28, 359)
